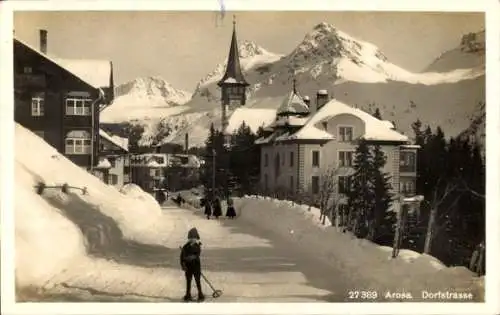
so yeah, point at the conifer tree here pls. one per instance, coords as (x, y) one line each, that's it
(361, 195)
(244, 158)
(381, 220)
(377, 114)
(214, 146)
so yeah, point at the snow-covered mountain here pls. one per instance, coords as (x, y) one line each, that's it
(143, 99)
(352, 70)
(355, 72)
(469, 53)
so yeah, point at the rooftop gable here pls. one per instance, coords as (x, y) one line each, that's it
(375, 129)
(293, 104)
(95, 73)
(120, 142)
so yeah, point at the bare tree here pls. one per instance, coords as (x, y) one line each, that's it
(438, 198)
(328, 197)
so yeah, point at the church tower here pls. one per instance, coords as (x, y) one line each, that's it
(233, 85)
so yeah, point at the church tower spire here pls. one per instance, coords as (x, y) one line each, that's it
(233, 84)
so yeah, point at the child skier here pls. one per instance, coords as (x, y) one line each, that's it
(191, 264)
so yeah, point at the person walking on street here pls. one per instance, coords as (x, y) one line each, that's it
(191, 264)
(231, 212)
(208, 208)
(217, 208)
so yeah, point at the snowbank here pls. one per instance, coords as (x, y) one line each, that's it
(53, 230)
(364, 262)
(54, 169)
(145, 199)
(42, 234)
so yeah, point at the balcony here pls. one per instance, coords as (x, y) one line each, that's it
(408, 162)
(29, 81)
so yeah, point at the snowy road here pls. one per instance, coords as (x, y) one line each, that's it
(251, 263)
(247, 263)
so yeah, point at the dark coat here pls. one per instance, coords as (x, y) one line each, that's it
(190, 256)
(217, 208)
(231, 212)
(208, 208)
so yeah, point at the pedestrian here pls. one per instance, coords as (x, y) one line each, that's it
(217, 208)
(231, 212)
(208, 209)
(191, 264)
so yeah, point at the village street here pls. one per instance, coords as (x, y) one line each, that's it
(274, 269)
(247, 263)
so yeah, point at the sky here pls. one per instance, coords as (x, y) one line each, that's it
(183, 47)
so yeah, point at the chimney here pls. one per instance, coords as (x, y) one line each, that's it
(321, 99)
(307, 101)
(186, 142)
(43, 41)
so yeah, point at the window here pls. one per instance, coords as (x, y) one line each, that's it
(283, 159)
(112, 161)
(346, 158)
(315, 158)
(77, 142)
(315, 184)
(407, 186)
(407, 161)
(155, 172)
(266, 160)
(344, 184)
(38, 104)
(345, 134)
(291, 182)
(41, 134)
(161, 160)
(113, 179)
(78, 104)
(291, 159)
(27, 70)
(325, 125)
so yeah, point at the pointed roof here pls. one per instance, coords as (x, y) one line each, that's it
(233, 68)
(293, 103)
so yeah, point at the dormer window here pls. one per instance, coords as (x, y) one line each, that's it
(345, 134)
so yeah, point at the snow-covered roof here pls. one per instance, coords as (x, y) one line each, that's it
(96, 73)
(253, 118)
(153, 163)
(103, 163)
(230, 80)
(375, 129)
(311, 133)
(293, 103)
(291, 121)
(118, 141)
(388, 123)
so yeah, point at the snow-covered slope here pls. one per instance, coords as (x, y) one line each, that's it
(54, 230)
(470, 53)
(149, 98)
(353, 71)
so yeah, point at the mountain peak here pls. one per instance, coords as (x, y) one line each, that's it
(325, 27)
(250, 54)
